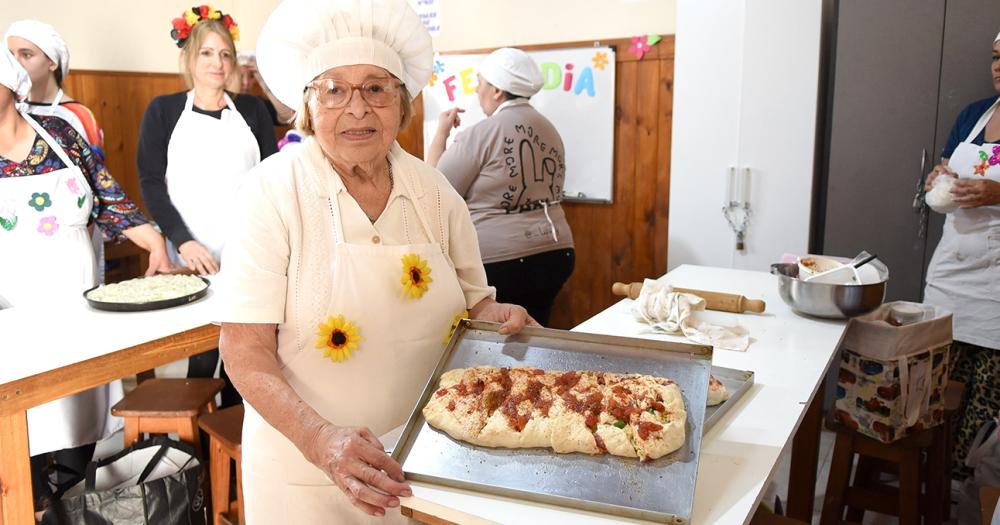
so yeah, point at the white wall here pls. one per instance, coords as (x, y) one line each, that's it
(134, 35)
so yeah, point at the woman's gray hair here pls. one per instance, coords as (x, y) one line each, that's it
(303, 114)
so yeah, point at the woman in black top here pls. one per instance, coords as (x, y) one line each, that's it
(196, 146)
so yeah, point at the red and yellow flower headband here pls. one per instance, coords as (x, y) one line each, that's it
(190, 18)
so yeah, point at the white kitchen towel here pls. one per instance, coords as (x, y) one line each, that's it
(659, 306)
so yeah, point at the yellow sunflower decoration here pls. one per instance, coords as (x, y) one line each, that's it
(464, 314)
(337, 338)
(416, 276)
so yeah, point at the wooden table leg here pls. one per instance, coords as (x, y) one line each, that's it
(16, 506)
(805, 458)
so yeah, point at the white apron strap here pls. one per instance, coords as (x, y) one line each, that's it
(981, 123)
(49, 140)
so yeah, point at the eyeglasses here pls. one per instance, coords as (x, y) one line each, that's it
(332, 93)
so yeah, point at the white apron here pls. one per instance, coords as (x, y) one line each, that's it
(206, 158)
(53, 110)
(401, 342)
(44, 239)
(964, 274)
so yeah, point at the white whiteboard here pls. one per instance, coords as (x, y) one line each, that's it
(578, 97)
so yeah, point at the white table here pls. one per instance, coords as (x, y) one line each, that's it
(68, 348)
(789, 355)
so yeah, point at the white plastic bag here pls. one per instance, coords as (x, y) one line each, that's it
(984, 459)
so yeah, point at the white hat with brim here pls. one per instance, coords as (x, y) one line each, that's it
(513, 71)
(302, 39)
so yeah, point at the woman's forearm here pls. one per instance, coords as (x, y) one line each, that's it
(147, 238)
(250, 354)
(436, 148)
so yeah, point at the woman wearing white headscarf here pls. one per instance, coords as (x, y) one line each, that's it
(964, 273)
(511, 170)
(43, 53)
(51, 187)
(351, 262)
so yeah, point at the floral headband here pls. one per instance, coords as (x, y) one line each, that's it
(190, 18)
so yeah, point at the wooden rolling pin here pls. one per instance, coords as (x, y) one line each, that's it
(723, 302)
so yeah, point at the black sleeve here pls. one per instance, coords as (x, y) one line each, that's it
(157, 125)
(261, 124)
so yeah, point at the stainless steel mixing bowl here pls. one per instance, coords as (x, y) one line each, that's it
(831, 301)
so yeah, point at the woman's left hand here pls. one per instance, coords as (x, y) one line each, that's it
(511, 316)
(972, 193)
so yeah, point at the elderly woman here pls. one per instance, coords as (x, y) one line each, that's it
(964, 274)
(524, 237)
(51, 187)
(350, 264)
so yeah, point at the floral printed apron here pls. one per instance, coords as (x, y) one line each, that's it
(50, 260)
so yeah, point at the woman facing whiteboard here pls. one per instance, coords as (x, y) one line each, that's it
(511, 170)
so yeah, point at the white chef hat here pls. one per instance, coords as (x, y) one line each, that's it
(513, 71)
(304, 38)
(997, 38)
(13, 76)
(45, 37)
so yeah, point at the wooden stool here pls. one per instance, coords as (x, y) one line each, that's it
(162, 406)
(921, 461)
(225, 429)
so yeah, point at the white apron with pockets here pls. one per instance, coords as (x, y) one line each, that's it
(206, 158)
(401, 343)
(964, 274)
(50, 260)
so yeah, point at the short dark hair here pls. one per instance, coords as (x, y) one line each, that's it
(59, 78)
(507, 95)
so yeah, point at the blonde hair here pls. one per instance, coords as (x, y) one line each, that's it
(303, 115)
(193, 43)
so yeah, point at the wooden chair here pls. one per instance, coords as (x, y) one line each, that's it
(921, 460)
(988, 499)
(163, 406)
(225, 428)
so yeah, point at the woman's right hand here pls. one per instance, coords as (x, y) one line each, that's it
(353, 458)
(198, 258)
(940, 169)
(449, 120)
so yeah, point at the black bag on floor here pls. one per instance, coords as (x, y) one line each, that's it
(154, 482)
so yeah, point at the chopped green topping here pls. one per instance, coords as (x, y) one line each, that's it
(651, 411)
(619, 423)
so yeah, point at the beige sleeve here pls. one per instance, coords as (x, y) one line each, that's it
(463, 248)
(254, 275)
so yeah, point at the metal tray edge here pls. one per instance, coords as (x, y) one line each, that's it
(746, 376)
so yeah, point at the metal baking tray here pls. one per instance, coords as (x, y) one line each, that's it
(737, 382)
(661, 490)
(148, 305)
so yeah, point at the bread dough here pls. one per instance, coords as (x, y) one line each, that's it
(567, 411)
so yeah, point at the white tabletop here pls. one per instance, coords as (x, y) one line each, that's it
(789, 355)
(43, 339)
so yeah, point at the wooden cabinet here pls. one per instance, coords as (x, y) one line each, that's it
(745, 101)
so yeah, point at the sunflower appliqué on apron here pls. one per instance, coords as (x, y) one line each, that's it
(464, 314)
(416, 276)
(337, 338)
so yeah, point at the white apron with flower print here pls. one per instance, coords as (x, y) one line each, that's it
(400, 335)
(964, 274)
(49, 259)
